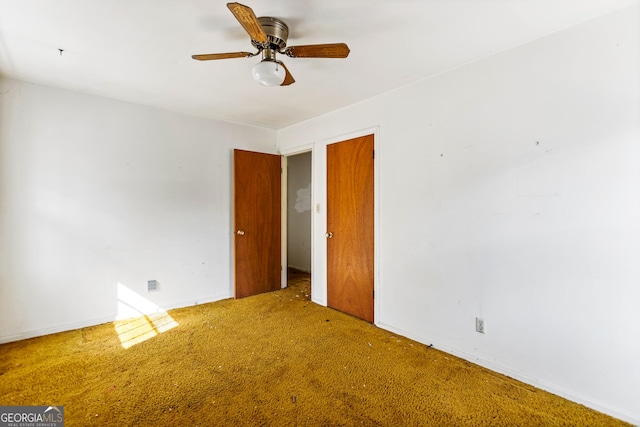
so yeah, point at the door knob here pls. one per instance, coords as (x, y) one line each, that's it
(328, 234)
(240, 233)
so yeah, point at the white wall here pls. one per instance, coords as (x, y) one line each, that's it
(299, 211)
(509, 189)
(96, 192)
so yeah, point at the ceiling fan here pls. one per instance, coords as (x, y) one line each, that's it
(269, 36)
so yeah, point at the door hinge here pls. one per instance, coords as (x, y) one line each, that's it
(374, 294)
(374, 153)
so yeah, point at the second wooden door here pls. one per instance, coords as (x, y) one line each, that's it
(350, 226)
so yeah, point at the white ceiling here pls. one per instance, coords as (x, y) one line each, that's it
(140, 50)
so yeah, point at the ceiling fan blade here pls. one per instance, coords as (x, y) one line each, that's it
(246, 18)
(331, 50)
(210, 56)
(288, 78)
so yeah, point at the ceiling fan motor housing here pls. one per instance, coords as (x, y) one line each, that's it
(276, 31)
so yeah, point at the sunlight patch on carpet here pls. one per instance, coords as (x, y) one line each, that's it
(138, 318)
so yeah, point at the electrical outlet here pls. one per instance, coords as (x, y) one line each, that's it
(152, 285)
(480, 325)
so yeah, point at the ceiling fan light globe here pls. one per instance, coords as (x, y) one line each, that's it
(269, 73)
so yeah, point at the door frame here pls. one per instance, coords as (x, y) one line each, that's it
(283, 215)
(319, 214)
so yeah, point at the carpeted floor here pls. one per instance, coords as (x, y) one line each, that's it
(270, 360)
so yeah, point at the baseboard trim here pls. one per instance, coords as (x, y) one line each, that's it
(54, 329)
(101, 320)
(551, 388)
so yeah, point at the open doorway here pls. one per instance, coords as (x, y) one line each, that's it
(299, 211)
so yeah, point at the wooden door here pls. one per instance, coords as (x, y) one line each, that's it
(350, 227)
(257, 222)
